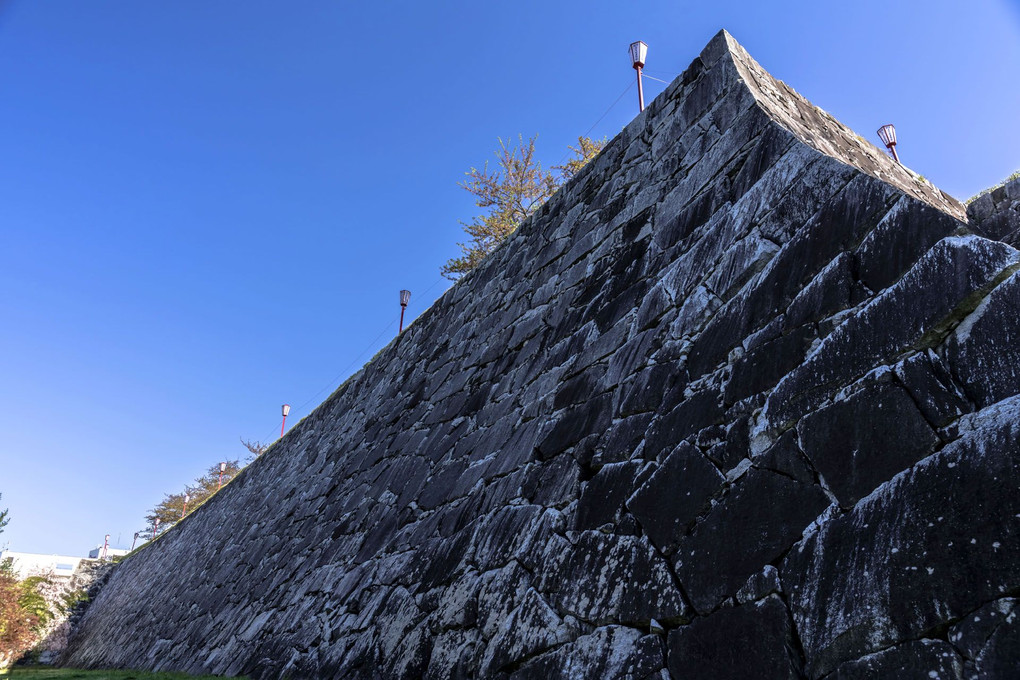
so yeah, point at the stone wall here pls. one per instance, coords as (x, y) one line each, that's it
(68, 599)
(739, 401)
(996, 214)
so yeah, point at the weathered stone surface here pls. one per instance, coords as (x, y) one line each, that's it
(532, 628)
(676, 492)
(786, 458)
(890, 570)
(623, 440)
(649, 389)
(766, 365)
(691, 367)
(945, 285)
(985, 349)
(830, 292)
(610, 652)
(762, 516)
(933, 389)
(898, 241)
(605, 578)
(989, 639)
(602, 500)
(500, 592)
(971, 635)
(859, 442)
(749, 641)
(695, 413)
(735, 447)
(996, 214)
(920, 660)
(761, 584)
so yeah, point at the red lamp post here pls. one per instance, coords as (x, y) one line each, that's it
(638, 52)
(155, 528)
(405, 297)
(106, 547)
(223, 468)
(286, 412)
(888, 135)
(184, 510)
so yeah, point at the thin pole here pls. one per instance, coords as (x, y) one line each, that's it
(640, 90)
(283, 425)
(896, 156)
(220, 486)
(402, 308)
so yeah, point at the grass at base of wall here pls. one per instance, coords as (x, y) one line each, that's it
(51, 673)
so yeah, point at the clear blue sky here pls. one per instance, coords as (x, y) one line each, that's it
(207, 208)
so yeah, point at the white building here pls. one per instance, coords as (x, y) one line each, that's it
(32, 564)
(97, 553)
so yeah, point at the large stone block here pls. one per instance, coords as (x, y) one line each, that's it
(989, 638)
(605, 578)
(694, 413)
(532, 628)
(926, 548)
(858, 442)
(761, 517)
(920, 659)
(750, 641)
(603, 498)
(668, 503)
(985, 349)
(942, 288)
(611, 652)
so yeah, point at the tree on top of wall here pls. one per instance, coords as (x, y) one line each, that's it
(169, 510)
(516, 188)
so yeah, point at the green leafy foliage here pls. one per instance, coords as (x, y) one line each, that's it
(508, 194)
(1013, 176)
(24, 612)
(172, 508)
(70, 600)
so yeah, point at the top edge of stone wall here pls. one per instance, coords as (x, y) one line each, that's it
(823, 132)
(809, 124)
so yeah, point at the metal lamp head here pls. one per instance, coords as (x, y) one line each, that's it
(187, 498)
(638, 52)
(887, 133)
(405, 297)
(286, 410)
(223, 467)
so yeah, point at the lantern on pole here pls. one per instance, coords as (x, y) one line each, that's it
(638, 52)
(223, 468)
(135, 540)
(184, 510)
(106, 547)
(155, 527)
(887, 133)
(405, 297)
(286, 412)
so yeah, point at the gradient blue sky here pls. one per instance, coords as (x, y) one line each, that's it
(207, 208)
